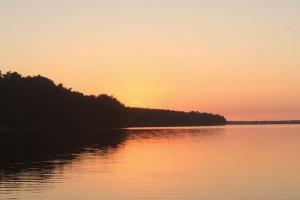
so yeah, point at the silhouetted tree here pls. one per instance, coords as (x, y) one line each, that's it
(36, 101)
(157, 117)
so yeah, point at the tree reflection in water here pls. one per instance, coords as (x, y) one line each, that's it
(35, 154)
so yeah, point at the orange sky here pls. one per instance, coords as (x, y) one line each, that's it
(237, 58)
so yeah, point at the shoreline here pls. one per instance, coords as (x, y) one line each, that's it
(266, 122)
(229, 123)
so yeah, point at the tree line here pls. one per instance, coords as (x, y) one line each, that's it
(140, 117)
(36, 101)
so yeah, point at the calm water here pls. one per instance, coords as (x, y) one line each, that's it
(215, 163)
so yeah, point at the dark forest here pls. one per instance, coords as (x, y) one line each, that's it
(36, 101)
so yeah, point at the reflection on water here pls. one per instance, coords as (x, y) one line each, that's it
(218, 163)
(32, 160)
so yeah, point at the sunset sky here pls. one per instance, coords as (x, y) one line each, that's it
(239, 58)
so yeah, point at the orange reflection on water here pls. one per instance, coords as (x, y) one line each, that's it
(214, 163)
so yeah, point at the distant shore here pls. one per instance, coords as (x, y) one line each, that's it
(263, 122)
(154, 126)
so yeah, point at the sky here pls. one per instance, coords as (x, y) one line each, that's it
(239, 58)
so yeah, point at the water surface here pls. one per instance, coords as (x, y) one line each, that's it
(211, 163)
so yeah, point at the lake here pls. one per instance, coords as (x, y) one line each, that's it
(185, 163)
